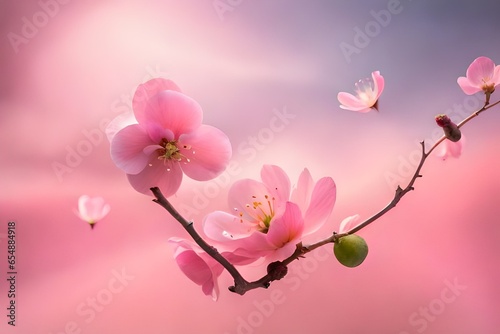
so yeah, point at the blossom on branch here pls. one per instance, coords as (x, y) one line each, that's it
(368, 92)
(450, 149)
(482, 75)
(200, 267)
(166, 140)
(92, 209)
(269, 219)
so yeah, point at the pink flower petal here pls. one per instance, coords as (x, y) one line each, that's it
(165, 175)
(245, 192)
(348, 223)
(198, 266)
(221, 226)
(158, 133)
(378, 84)
(351, 102)
(82, 208)
(208, 151)
(287, 228)
(254, 246)
(276, 181)
(301, 195)
(149, 89)
(467, 86)
(194, 267)
(321, 205)
(481, 68)
(119, 122)
(127, 149)
(496, 76)
(238, 260)
(172, 110)
(450, 149)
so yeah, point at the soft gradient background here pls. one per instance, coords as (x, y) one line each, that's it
(80, 68)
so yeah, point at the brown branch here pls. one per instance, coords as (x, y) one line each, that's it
(240, 284)
(188, 226)
(278, 270)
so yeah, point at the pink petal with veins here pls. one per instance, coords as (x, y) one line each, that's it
(276, 181)
(321, 205)
(481, 68)
(167, 175)
(467, 87)
(127, 149)
(172, 110)
(119, 122)
(287, 228)
(301, 194)
(147, 90)
(208, 151)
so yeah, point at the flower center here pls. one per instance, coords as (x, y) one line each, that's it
(171, 151)
(262, 212)
(487, 86)
(365, 89)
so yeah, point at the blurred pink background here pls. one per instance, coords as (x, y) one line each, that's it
(68, 68)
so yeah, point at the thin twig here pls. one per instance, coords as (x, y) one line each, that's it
(241, 286)
(188, 226)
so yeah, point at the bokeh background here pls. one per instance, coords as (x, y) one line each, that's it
(69, 67)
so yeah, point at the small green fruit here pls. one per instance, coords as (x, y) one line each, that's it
(350, 250)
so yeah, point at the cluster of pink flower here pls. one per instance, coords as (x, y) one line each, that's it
(165, 138)
(482, 75)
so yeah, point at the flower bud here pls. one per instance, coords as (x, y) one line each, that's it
(350, 250)
(277, 270)
(451, 130)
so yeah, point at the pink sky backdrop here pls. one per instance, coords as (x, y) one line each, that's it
(264, 59)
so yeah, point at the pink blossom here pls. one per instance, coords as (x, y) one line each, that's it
(92, 209)
(450, 149)
(268, 219)
(200, 267)
(167, 140)
(368, 92)
(348, 223)
(482, 75)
